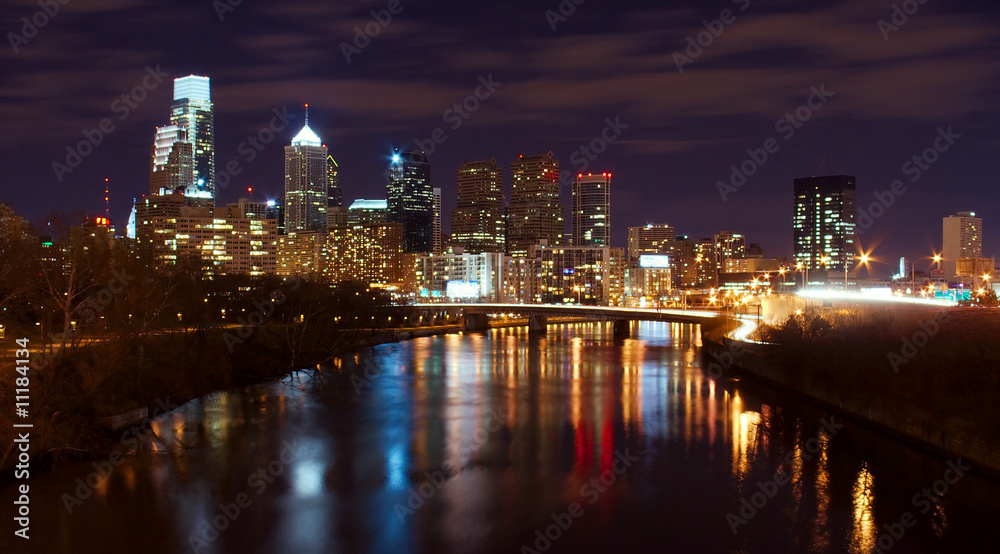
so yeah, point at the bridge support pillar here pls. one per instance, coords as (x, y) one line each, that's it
(537, 324)
(623, 328)
(477, 322)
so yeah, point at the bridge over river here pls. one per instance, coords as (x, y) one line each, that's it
(477, 316)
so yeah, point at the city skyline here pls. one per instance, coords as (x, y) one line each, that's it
(668, 154)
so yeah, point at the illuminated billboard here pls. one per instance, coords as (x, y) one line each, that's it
(654, 261)
(463, 289)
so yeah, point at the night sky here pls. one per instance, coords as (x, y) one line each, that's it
(557, 88)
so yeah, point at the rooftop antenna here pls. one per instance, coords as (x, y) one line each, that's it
(107, 206)
(307, 115)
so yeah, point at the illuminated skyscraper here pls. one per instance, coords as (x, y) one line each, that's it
(192, 109)
(171, 163)
(651, 239)
(438, 239)
(368, 212)
(535, 211)
(410, 198)
(962, 238)
(477, 222)
(307, 182)
(591, 210)
(824, 222)
(336, 194)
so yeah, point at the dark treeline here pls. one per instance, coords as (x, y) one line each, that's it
(109, 334)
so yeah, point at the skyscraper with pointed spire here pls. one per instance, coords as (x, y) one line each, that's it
(307, 182)
(192, 110)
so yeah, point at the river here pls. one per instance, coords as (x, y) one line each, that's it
(505, 442)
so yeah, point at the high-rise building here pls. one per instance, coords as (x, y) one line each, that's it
(234, 239)
(460, 276)
(535, 214)
(368, 212)
(651, 239)
(336, 195)
(824, 222)
(411, 199)
(276, 211)
(371, 254)
(171, 163)
(192, 109)
(477, 222)
(436, 226)
(307, 182)
(706, 262)
(729, 246)
(963, 238)
(591, 210)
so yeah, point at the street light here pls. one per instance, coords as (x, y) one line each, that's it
(913, 273)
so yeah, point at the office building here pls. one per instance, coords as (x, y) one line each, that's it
(536, 215)
(307, 182)
(410, 199)
(458, 276)
(729, 246)
(335, 194)
(963, 238)
(477, 222)
(192, 110)
(230, 240)
(591, 210)
(651, 239)
(436, 226)
(171, 165)
(368, 253)
(577, 274)
(365, 212)
(303, 253)
(824, 222)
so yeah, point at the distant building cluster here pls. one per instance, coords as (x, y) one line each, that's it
(500, 249)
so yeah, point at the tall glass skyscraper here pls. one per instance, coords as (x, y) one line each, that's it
(171, 163)
(591, 210)
(410, 198)
(192, 109)
(824, 222)
(307, 182)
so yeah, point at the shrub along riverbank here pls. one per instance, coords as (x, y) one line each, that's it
(930, 376)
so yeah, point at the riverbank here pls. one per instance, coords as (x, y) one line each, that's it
(87, 396)
(932, 402)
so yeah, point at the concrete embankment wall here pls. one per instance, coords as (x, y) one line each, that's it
(947, 437)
